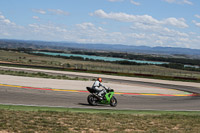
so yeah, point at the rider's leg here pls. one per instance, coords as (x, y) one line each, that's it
(99, 91)
(102, 92)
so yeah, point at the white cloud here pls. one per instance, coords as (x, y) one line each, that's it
(158, 30)
(40, 11)
(187, 2)
(58, 12)
(135, 3)
(144, 19)
(1, 16)
(46, 27)
(8, 28)
(180, 23)
(179, 2)
(123, 17)
(51, 11)
(148, 31)
(197, 16)
(140, 35)
(115, 0)
(86, 26)
(90, 33)
(89, 27)
(196, 23)
(5, 20)
(36, 17)
(131, 1)
(48, 32)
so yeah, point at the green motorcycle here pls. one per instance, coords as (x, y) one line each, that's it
(94, 99)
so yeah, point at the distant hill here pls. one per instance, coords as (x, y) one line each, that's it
(5, 43)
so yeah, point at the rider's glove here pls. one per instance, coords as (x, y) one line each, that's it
(107, 88)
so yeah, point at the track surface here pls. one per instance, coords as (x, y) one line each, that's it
(24, 96)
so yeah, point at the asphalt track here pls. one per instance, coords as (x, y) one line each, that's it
(22, 95)
(69, 99)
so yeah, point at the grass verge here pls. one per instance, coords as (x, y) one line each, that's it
(39, 75)
(49, 119)
(111, 111)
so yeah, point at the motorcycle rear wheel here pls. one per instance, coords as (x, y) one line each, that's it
(113, 102)
(92, 100)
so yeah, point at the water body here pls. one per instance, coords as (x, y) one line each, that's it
(191, 66)
(99, 58)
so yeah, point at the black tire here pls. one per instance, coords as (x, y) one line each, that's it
(92, 100)
(113, 102)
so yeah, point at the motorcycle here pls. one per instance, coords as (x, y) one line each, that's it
(109, 98)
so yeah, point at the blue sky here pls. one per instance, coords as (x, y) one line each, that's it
(166, 23)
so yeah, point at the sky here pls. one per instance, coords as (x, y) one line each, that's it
(165, 23)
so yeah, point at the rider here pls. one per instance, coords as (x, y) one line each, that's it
(97, 84)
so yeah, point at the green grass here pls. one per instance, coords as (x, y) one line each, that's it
(111, 111)
(49, 119)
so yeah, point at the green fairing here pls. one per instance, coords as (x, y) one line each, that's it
(108, 96)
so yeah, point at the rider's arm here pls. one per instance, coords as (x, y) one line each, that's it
(103, 85)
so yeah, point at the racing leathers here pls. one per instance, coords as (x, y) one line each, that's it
(96, 86)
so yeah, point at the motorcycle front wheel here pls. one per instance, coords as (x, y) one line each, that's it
(113, 102)
(92, 100)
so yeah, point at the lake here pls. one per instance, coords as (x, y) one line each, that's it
(99, 57)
